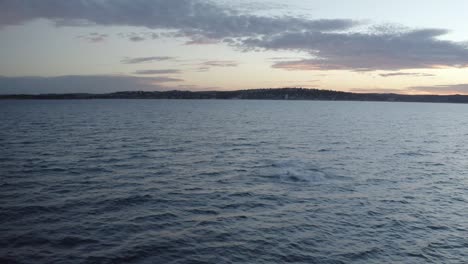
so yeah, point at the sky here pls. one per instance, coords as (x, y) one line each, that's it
(99, 46)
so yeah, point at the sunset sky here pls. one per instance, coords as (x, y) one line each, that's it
(57, 46)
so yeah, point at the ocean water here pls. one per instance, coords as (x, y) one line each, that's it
(169, 181)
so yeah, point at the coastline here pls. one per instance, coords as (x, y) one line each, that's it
(253, 94)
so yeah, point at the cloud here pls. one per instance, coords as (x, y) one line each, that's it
(306, 65)
(410, 74)
(207, 65)
(441, 89)
(167, 71)
(199, 40)
(366, 52)
(332, 44)
(141, 36)
(82, 84)
(203, 69)
(136, 38)
(195, 17)
(220, 63)
(146, 59)
(283, 58)
(94, 37)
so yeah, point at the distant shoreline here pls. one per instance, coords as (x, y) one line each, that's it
(254, 94)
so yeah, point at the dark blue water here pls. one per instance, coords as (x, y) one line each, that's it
(156, 181)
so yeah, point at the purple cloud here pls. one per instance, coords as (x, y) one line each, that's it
(367, 52)
(220, 63)
(333, 44)
(94, 37)
(410, 74)
(149, 72)
(146, 59)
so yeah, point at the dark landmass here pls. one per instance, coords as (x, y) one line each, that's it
(255, 94)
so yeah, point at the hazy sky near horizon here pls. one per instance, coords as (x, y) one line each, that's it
(97, 46)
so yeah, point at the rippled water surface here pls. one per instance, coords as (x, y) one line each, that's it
(156, 181)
